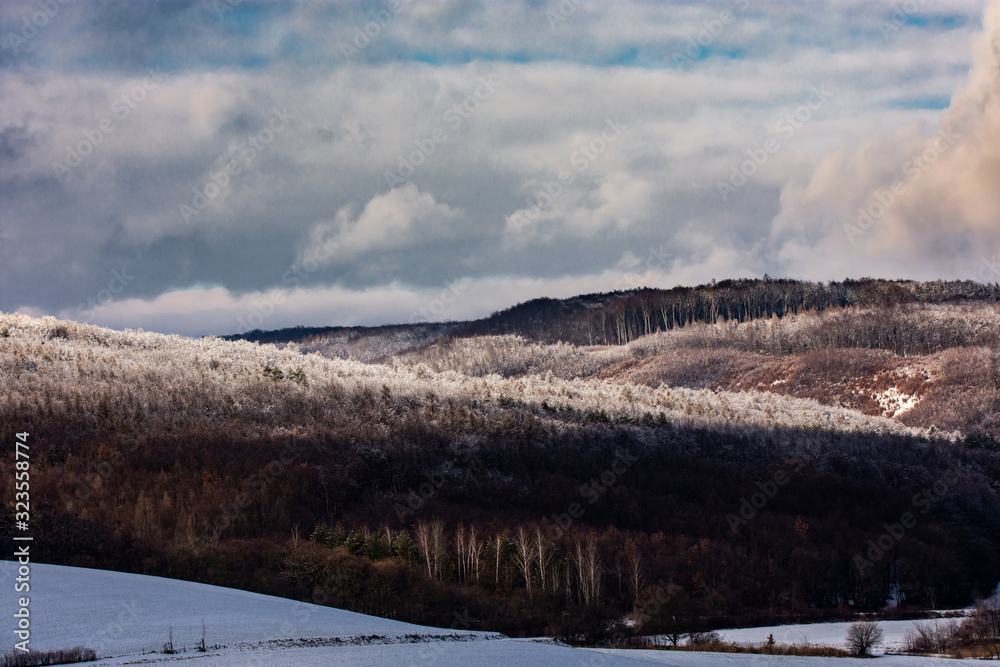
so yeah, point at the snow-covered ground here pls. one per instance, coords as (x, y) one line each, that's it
(824, 634)
(127, 618)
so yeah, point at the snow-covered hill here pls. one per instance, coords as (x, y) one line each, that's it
(127, 618)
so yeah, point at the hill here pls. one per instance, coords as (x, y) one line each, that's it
(127, 619)
(747, 467)
(617, 318)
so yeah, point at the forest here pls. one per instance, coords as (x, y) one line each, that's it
(742, 468)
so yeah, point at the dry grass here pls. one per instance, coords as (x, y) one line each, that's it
(60, 657)
(763, 648)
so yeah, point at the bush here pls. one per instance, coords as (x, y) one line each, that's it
(704, 638)
(932, 637)
(862, 637)
(983, 627)
(60, 657)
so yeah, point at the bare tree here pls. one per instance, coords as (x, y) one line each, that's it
(437, 545)
(524, 556)
(423, 535)
(475, 553)
(635, 572)
(499, 550)
(588, 564)
(544, 553)
(460, 550)
(984, 625)
(862, 637)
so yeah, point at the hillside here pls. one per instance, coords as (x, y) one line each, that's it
(929, 366)
(617, 318)
(127, 619)
(547, 488)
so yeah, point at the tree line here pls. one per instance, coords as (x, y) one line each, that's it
(617, 318)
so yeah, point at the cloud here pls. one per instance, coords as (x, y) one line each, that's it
(922, 197)
(312, 210)
(388, 221)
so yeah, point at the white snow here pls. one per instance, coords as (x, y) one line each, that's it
(707, 659)
(824, 634)
(894, 402)
(127, 619)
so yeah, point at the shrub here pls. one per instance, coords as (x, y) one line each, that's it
(298, 376)
(274, 373)
(60, 657)
(704, 638)
(932, 637)
(983, 627)
(862, 637)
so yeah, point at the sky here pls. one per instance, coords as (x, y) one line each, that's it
(213, 167)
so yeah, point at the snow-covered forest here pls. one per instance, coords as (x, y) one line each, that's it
(738, 469)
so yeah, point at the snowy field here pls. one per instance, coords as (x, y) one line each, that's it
(127, 618)
(824, 634)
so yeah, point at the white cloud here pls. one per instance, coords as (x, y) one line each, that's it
(389, 220)
(322, 186)
(920, 199)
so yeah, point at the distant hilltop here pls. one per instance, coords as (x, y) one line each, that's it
(619, 317)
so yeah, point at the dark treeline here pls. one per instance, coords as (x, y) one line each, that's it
(734, 524)
(620, 317)
(617, 318)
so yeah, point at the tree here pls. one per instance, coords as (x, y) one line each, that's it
(588, 564)
(544, 552)
(425, 546)
(402, 547)
(862, 637)
(439, 547)
(635, 570)
(474, 553)
(524, 556)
